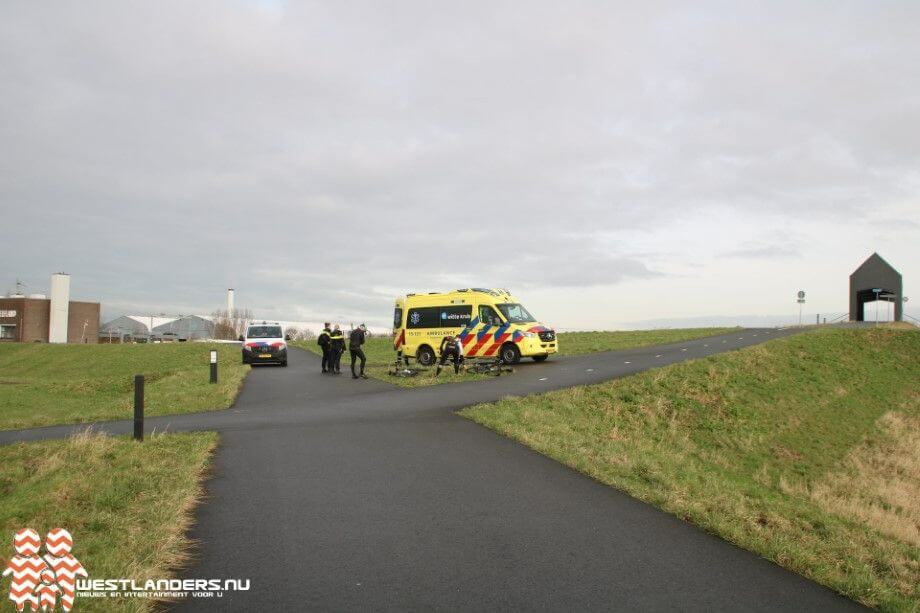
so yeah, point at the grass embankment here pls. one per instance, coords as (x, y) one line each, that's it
(128, 505)
(805, 450)
(380, 354)
(43, 384)
(578, 343)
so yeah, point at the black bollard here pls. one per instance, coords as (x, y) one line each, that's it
(138, 407)
(213, 366)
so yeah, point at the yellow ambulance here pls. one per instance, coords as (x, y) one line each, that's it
(490, 322)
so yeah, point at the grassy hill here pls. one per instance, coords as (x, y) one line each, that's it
(805, 450)
(380, 354)
(43, 384)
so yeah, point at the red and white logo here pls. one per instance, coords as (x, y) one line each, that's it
(39, 580)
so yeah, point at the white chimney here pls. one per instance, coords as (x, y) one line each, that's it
(230, 302)
(60, 308)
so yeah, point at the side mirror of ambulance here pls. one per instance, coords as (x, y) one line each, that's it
(287, 337)
(241, 339)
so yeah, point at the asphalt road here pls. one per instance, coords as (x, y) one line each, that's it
(335, 494)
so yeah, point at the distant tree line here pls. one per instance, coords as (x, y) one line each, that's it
(230, 326)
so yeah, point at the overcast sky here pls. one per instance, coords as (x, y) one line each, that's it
(608, 163)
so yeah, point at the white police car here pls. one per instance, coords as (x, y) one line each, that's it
(265, 343)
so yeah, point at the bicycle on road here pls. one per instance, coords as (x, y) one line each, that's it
(494, 367)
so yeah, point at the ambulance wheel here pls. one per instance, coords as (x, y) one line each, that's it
(540, 358)
(284, 363)
(425, 356)
(510, 353)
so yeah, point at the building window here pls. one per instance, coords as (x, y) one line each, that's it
(8, 332)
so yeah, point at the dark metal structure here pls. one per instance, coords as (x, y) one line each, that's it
(874, 280)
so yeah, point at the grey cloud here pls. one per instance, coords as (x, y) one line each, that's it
(322, 156)
(785, 243)
(763, 252)
(896, 225)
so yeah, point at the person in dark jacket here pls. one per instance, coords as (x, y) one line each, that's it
(324, 344)
(355, 340)
(451, 348)
(337, 348)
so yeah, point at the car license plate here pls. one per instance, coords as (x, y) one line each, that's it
(265, 355)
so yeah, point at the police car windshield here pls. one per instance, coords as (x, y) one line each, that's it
(515, 313)
(264, 332)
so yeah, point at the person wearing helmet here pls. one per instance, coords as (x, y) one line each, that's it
(355, 340)
(451, 347)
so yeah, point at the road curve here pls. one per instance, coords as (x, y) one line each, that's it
(336, 494)
(298, 395)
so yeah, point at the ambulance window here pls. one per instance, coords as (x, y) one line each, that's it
(515, 313)
(488, 316)
(397, 318)
(456, 316)
(426, 317)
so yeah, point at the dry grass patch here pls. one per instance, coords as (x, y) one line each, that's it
(879, 482)
(128, 505)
